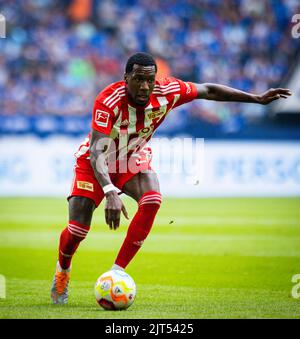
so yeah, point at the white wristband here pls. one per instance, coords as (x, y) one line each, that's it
(108, 188)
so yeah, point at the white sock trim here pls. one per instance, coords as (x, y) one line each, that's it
(117, 267)
(62, 270)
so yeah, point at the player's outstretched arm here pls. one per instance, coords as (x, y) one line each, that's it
(114, 205)
(218, 92)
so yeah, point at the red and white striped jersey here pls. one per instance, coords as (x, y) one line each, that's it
(116, 117)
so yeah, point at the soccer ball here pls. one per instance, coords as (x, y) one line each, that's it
(115, 290)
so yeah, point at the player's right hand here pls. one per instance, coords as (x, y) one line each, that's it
(113, 208)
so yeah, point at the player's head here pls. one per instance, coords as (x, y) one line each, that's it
(139, 76)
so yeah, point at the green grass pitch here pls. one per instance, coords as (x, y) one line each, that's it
(204, 258)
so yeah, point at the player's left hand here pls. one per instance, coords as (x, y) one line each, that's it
(113, 208)
(273, 94)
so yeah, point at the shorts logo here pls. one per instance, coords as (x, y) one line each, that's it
(84, 185)
(101, 118)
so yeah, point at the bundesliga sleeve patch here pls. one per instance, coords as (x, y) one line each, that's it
(101, 118)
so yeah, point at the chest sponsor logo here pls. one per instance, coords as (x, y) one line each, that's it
(155, 114)
(101, 118)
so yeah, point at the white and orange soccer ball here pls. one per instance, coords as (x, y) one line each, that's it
(115, 290)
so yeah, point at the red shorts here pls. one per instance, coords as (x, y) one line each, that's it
(86, 185)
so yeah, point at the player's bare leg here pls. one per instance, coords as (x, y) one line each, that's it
(144, 188)
(81, 209)
(80, 216)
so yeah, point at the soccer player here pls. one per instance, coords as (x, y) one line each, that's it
(115, 157)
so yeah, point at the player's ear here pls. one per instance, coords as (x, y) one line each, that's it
(126, 78)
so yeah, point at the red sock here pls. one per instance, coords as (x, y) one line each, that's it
(139, 227)
(70, 239)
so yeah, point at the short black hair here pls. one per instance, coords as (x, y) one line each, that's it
(140, 58)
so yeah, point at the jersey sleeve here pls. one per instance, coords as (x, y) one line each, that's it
(188, 92)
(103, 117)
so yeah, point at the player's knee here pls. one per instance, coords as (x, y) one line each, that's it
(81, 210)
(152, 199)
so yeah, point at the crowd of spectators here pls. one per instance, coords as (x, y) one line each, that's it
(59, 54)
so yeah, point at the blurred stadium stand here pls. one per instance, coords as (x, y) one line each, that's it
(59, 54)
(290, 106)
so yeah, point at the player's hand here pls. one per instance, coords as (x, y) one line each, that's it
(113, 208)
(273, 94)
